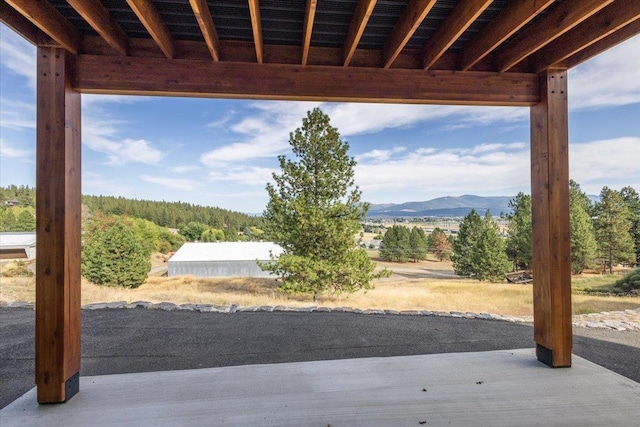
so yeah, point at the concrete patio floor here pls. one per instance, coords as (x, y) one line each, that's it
(495, 388)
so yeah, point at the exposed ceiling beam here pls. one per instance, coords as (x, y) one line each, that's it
(408, 23)
(560, 19)
(21, 25)
(206, 78)
(606, 22)
(207, 27)
(514, 16)
(460, 18)
(152, 21)
(256, 25)
(96, 15)
(358, 24)
(309, 17)
(46, 17)
(624, 33)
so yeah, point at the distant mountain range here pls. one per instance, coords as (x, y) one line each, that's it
(443, 207)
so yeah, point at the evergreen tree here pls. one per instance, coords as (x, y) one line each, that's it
(433, 237)
(25, 221)
(463, 247)
(489, 259)
(583, 242)
(115, 257)
(632, 200)
(395, 245)
(193, 230)
(7, 219)
(314, 213)
(613, 229)
(520, 231)
(417, 245)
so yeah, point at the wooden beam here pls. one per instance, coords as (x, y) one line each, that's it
(157, 76)
(358, 24)
(207, 27)
(309, 17)
(21, 25)
(561, 19)
(602, 24)
(460, 18)
(256, 26)
(152, 21)
(96, 15)
(514, 16)
(408, 23)
(625, 33)
(550, 215)
(46, 17)
(58, 196)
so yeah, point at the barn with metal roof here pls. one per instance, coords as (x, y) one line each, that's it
(224, 259)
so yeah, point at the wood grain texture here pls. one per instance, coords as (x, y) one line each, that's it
(46, 17)
(96, 15)
(599, 26)
(207, 27)
(256, 26)
(460, 18)
(408, 23)
(58, 196)
(624, 33)
(153, 76)
(356, 29)
(514, 16)
(21, 25)
(152, 21)
(550, 217)
(307, 30)
(559, 20)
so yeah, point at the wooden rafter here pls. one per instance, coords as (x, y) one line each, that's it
(21, 25)
(46, 17)
(96, 15)
(460, 18)
(624, 33)
(309, 17)
(113, 75)
(208, 28)
(358, 24)
(513, 17)
(152, 21)
(256, 25)
(606, 22)
(408, 23)
(561, 19)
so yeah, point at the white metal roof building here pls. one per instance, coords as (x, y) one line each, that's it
(224, 259)
(18, 245)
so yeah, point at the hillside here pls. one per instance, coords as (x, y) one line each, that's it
(442, 207)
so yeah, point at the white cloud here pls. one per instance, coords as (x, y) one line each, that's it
(174, 183)
(17, 115)
(605, 161)
(18, 55)
(7, 151)
(100, 135)
(379, 155)
(184, 168)
(610, 79)
(251, 176)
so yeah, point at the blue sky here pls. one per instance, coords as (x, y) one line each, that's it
(222, 152)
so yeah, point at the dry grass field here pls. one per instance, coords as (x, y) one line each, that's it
(428, 285)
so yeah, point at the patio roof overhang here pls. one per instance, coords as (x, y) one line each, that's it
(466, 52)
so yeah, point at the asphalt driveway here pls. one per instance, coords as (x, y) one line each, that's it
(139, 340)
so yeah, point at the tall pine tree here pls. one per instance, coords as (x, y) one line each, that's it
(520, 231)
(314, 213)
(583, 242)
(632, 200)
(613, 229)
(464, 245)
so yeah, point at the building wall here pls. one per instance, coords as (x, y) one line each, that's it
(216, 269)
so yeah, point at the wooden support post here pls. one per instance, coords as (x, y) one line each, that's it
(550, 209)
(58, 198)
